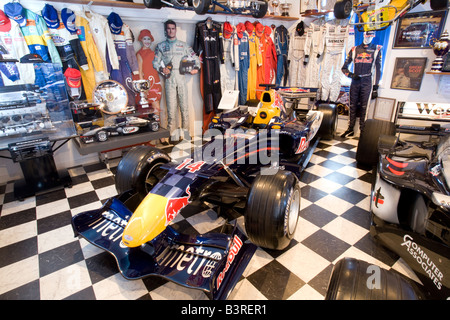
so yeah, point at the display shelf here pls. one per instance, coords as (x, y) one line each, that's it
(316, 14)
(133, 5)
(438, 72)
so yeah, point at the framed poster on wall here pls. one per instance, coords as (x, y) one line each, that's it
(419, 29)
(408, 73)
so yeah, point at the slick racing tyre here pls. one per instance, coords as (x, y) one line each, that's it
(139, 170)
(329, 122)
(367, 151)
(343, 9)
(153, 4)
(272, 211)
(201, 6)
(353, 279)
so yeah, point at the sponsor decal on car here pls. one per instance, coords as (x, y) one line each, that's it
(423, 260)
(234, 250)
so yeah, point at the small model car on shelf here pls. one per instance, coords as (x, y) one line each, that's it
(256, 8)
(250, 166)
(114, 126)
(379, 14)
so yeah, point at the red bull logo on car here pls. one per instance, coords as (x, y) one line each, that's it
(174, 206)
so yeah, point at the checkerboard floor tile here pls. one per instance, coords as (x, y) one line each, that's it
(41, 259)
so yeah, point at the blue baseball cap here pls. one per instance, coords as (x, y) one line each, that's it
(68, 18)
(50, 16)
(115, 23)
(15, 11)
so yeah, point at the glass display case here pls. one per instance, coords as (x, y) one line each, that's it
(33, 118)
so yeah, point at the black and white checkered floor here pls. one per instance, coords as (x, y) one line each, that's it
(40, 259)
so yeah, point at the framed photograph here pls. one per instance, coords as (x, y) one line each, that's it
(419, 29)
(408, 73)
(384, 108)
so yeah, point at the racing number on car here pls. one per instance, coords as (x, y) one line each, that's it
(194, 167)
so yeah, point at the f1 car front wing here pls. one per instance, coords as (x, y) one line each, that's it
(211, 262)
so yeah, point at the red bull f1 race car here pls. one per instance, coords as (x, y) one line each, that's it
(251, 166)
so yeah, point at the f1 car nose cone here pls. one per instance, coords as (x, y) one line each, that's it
(148, 221)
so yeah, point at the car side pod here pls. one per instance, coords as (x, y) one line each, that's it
(212, 262)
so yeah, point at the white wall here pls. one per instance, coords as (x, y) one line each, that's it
(429, 88)
(137, 19)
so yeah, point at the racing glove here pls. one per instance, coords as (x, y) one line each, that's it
(306, 60)
(374, 92)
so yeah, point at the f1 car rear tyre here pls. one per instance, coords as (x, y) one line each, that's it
(153, 4)
(438, 4)
(201, 6)
(329, 122)
(367, 151)
(343, 9)
(261, 11)
(139, 170)
(272, 211)
(353, 279)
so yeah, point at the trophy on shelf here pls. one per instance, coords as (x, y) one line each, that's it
(285, 8)
(311, 7)
(275, 5)
(141, 87)
(440, 49)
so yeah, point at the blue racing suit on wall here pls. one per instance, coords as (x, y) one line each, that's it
(244, 62)
(282, 47)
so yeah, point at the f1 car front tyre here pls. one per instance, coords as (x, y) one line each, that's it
(139, 170)
(272, 212)
(354, 279)
(201, 6)
(367, 151)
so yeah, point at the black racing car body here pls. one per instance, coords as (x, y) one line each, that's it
(410, 205)
(256, 8)
(251, 165)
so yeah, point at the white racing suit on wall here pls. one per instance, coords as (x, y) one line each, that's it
(296, 56)
(336, 35)
(172, 51)
(314, 46)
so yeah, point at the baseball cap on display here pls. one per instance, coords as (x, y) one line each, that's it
(227, 30)
(68, 18)
(267, 30)
(31, 58)
(115, 23)
(249, 26)
(5, 23)
(15, 11)
(240, 28)
(73, 77)
(259, 29)
(50, 16)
